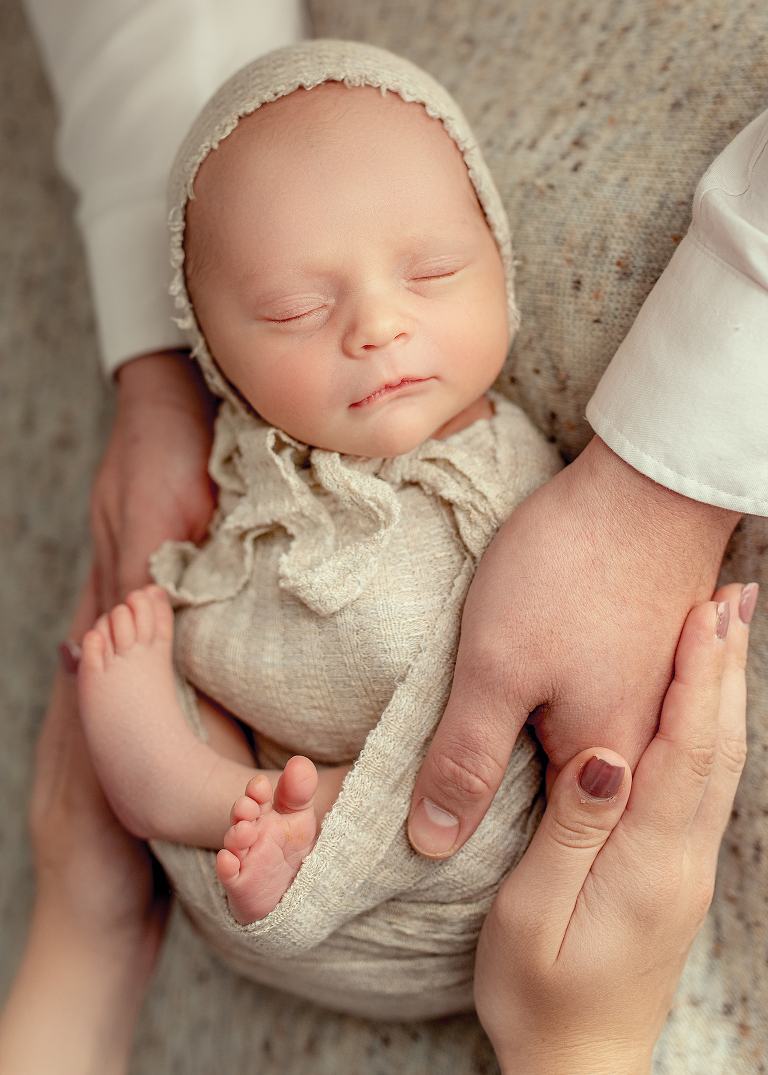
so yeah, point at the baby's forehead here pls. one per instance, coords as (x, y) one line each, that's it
(336, 116)
(328, 150)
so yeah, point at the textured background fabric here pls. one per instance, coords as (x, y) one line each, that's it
(199, 1017)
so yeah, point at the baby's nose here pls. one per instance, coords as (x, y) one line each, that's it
(378, 321)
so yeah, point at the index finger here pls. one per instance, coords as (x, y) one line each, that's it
(715, 808)
(673, 773)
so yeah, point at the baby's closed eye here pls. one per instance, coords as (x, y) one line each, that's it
(304, 308)
(427, 272)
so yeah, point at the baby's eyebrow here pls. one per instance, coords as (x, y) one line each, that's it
(263, 281)
(284, 302)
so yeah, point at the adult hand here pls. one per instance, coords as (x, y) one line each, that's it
(97, 920)
(153, 482)
(573, 616)
(581, 953)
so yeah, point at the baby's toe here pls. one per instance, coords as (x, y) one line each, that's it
(144, 615)
(259, 789)
(240, 837)
(163, 613)
(123, 625)
(296, 786)
(94, 652)
(227, 867)
(104, 627)
(244, 809)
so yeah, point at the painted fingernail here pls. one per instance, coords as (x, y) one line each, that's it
(748, 602)
(600, 779)
(70, 654)
(432, 830)
(723, 619)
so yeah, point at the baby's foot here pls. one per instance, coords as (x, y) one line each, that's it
(269, 839)
(128, 702)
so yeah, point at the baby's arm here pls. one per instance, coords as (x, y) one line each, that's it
(162, 781)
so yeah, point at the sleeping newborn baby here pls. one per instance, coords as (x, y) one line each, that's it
(344, 268)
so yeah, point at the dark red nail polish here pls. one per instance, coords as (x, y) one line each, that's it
(723, 619)
(600, 779)
(748, 602)
(70, 653)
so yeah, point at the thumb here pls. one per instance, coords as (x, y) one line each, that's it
(463, 768)
(585, 805)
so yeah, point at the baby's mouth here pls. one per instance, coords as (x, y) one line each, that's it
(388, 389)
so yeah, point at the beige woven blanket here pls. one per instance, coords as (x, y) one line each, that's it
(324, 611)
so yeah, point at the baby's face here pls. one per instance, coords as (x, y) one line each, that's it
(343, 273)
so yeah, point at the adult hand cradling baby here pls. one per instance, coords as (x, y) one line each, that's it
(574, 613)
(153, 482)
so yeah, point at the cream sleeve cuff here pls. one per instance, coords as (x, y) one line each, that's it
(685, 399)
(127, 252)
(129, 77)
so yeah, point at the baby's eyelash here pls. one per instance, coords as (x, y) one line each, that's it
(296, 317)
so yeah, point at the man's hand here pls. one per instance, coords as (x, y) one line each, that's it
(573, 617)
(153, 483)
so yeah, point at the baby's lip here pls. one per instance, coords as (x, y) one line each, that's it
(388, 389)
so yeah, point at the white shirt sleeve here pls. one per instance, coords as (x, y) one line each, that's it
(129, 77)
(685, 399)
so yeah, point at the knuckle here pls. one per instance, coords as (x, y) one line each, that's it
(655, 899)
(732, 753)
(701, 758)
(490, 670)
(472, 775)
(577, 835)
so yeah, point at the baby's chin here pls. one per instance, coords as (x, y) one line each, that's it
(384, 439)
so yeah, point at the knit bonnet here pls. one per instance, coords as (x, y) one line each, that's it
(279, 73)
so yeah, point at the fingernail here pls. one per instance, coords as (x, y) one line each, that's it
(748, 602)
(432, 830)
(70, 654)
(723, 619)
(600, 779)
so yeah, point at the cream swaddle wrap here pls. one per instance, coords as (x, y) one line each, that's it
(324, 611)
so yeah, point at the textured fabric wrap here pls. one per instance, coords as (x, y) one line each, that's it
(331, 589)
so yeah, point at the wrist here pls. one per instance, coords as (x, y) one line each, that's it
(76, 997)
(655, 521)
(578, 1058)
(167, 378)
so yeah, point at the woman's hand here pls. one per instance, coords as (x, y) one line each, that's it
(153, 482)
(97, 921)
(580, 956)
